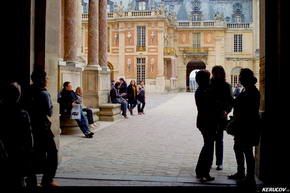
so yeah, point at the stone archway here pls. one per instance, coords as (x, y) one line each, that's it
(111, 67)
(193, 65)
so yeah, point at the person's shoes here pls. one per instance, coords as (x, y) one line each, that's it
(237, 176)
(131, 111)
(198, 176)
(125, 116)
(139, 113)
(219, 167)
(206, 178)
(89, 135)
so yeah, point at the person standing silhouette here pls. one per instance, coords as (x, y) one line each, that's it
(223, 104)
(40, 108)
(205, 104)
(17, 140)
(246, 116)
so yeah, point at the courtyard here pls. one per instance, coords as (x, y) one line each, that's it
(159, 148)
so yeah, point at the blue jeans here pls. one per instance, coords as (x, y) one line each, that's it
(83, 123)
(219, 146)
(124, 105)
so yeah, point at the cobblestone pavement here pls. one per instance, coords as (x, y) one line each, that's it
(158, 148)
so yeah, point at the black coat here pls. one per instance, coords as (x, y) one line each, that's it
(123, 88)
(132, 94)
(66, 99)
(246, 114)
(223, 98)
(17, 140)
(205, 109)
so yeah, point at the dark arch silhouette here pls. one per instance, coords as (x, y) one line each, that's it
(193, 66)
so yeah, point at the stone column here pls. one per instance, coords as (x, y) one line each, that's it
(91, 71)
(103, 30)
(70, 30)
(104, 74)
(93, 33)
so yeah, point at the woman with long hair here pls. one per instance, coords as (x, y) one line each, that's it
(132, 95)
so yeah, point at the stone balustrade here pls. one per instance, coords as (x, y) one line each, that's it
(238, 25)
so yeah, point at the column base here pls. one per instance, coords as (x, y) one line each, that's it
(96, 85)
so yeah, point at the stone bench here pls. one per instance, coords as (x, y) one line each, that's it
(110, 112)
(70, 126)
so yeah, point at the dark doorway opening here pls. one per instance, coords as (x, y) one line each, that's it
(195, 65)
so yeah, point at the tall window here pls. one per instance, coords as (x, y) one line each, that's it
(141, 38)
(142, 6)
(196, 40)
(238, 43)
(141, 62)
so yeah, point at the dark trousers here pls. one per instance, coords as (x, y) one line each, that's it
(89, 115)
(206, 155)
(48, 151)
(242, 151)
(141, 107)
(219, 146)
(132, 105)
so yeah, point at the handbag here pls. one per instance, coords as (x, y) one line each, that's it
(232, 126)
(76, 112)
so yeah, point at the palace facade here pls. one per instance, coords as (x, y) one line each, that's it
(162, 41)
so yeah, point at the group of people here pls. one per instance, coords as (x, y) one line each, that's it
(27, 144)
(214, 101)
(128, 96)
(31, 140)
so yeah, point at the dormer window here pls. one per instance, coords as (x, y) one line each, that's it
(238, 15)
(142, 6)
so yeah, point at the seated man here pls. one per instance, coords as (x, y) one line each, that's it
(117, 98)
(68, 99)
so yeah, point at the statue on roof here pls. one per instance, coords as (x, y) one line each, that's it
(218, 16)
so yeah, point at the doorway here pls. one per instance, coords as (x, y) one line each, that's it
(191, 66)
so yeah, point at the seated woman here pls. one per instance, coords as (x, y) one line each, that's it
(68, 99)
(88, 111)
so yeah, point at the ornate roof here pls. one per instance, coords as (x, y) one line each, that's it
(228, 10)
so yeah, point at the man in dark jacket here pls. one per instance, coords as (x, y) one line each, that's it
(117, 98)
(68, 99)
(123, 88)
(205, 105)
(40, 108)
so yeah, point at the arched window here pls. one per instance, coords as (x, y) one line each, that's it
(235, 76)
